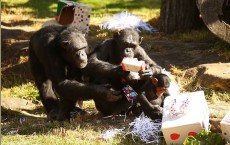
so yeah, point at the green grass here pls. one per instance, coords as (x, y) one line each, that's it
(33, 8)
(30, 15)
(26, 91)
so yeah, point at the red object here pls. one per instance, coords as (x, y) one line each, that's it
(192, 133)
(123, 66)
(174, 136)
(123, 80)
(57, 17)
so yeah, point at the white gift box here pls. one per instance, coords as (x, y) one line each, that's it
(184, 115)
(132, 64)
(225, 127)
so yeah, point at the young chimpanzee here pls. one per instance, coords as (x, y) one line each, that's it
(57, 55)
(152, 94)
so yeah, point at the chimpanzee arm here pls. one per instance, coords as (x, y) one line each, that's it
(153, 67)
(104, 70)
(69, 88)
(152, 111)
(74, 90)
(101, 69)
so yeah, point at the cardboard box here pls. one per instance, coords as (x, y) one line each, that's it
(225, 127)
(74, 13)
(184, 115)
(132, 64)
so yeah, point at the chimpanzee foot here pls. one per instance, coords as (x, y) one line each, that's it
(77, 111)
(52, 115)
(63, 116)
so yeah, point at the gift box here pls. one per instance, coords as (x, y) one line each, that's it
(129, 92)
(184, 115)
(225, 127)
(74, 13)
(132, 64)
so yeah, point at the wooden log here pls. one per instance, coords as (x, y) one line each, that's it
(212, 13)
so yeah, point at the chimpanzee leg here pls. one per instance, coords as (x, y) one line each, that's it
(66, 107)
(44, 85)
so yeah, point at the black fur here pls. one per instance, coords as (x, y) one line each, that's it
(125, 43)
(151, 104)
(57, 55)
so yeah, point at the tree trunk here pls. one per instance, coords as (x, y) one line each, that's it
(179, 15)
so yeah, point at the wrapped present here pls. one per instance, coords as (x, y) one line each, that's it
(132, 64)
(225, 127)
(129, 93)
(74, 13)
(184, 115)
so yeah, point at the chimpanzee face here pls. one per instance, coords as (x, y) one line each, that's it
(76, 48)
(127, 40)
(161, 82)
(126, 49)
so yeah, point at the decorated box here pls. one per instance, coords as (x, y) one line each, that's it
(184, 115)
(129, 93)
(225, 127)
(132, 64)
(74, 13)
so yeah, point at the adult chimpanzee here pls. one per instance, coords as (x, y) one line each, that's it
(57, 55)
(152, 95)
(126, 43)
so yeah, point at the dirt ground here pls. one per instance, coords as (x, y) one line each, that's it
(166, 53)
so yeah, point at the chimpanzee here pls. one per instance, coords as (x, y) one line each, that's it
(126, 43)
(152, 95)
(57, 55)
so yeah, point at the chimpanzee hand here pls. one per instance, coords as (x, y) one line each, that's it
(145, 74)
(149, 72)
(155, 112)
(122, 75)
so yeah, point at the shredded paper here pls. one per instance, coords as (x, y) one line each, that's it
(146, 129)
(126, 20)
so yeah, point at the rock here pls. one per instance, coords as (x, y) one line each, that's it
(17, 103)
(213, 76)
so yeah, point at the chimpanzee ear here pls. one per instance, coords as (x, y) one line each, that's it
(65, 44)
(154, 81)
(116, 34)
(140, 39)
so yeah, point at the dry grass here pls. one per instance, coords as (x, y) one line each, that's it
(28, 16)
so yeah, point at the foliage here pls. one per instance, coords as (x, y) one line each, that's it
(205, 138)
